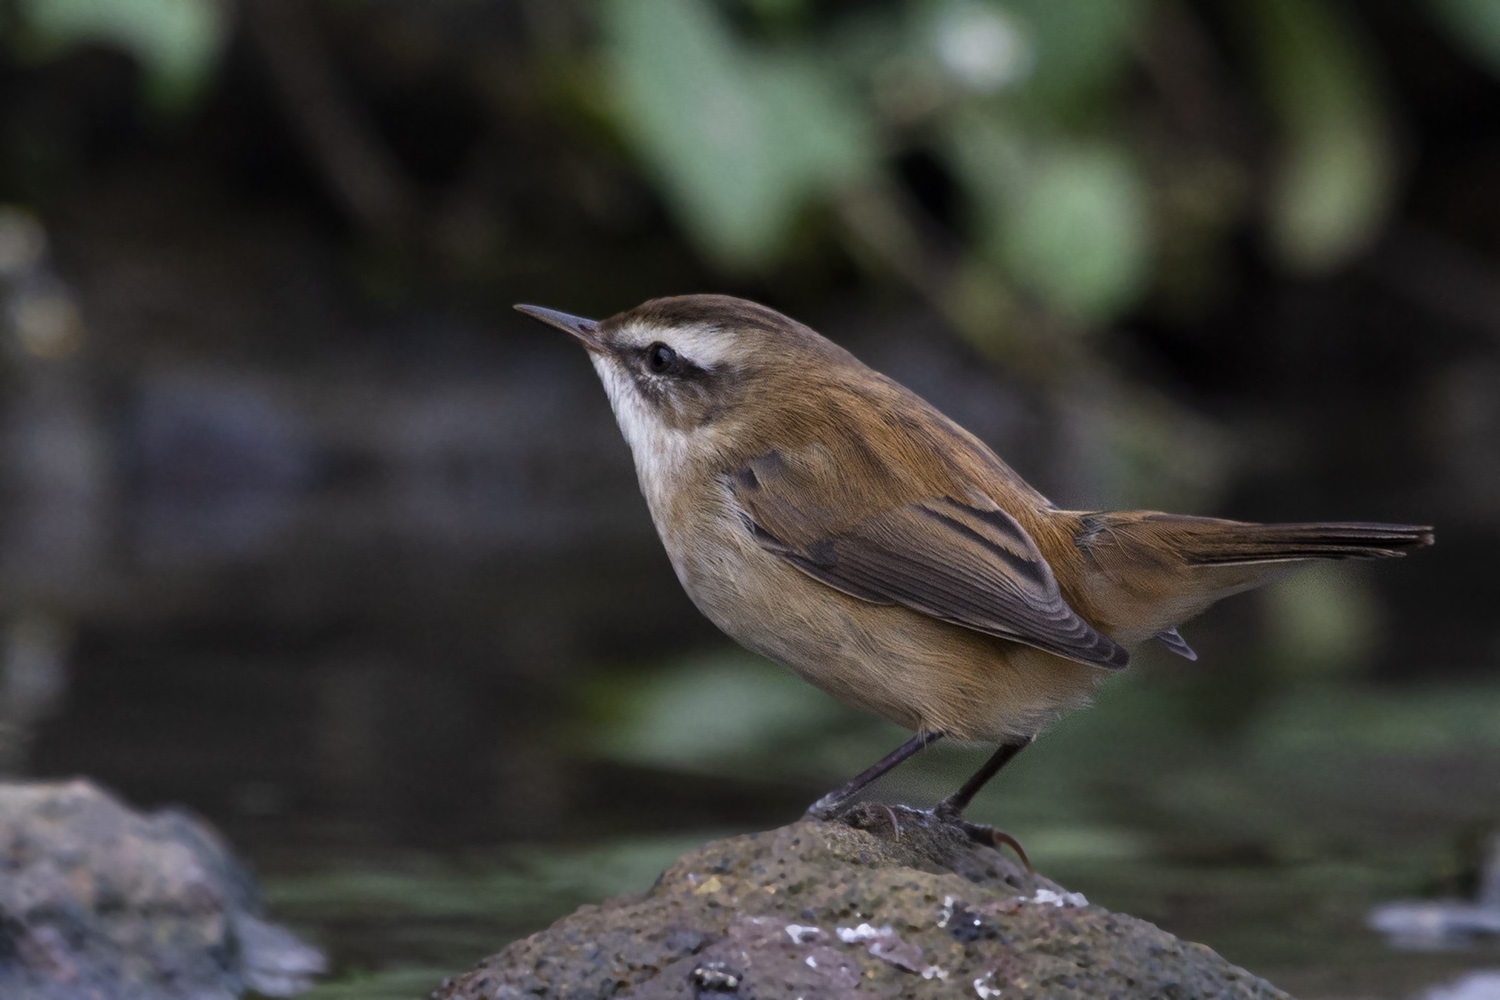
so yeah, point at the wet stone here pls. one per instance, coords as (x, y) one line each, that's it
(874, 915)
(98, 901)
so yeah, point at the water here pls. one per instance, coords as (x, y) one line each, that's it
(414, 820)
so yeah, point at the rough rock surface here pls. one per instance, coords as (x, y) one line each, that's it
(101, 903)
(834, 910)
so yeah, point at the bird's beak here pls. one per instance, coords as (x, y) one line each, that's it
(582, 330)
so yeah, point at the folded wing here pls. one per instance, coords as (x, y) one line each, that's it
(966, 562)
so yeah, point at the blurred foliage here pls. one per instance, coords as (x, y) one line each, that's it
(176, 41)
(1306, 768)
(739, 140)
(513, 888)
(764, 124)
(1474, 24)
(390, 984)
(1066, 220)
(710, 717)
(1323, 621)
(1335, 181)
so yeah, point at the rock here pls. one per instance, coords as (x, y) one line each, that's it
(851, 910)
(101, 903)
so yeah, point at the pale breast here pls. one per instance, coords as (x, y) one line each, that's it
(911, 669)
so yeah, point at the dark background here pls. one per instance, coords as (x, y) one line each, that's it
(302, 527)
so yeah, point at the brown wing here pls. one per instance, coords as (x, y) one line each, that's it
(968, 563)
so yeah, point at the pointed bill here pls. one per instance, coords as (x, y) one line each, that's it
(580, 329)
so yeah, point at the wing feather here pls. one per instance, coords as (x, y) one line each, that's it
(966, 562)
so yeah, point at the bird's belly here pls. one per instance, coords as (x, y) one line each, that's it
(914, 670)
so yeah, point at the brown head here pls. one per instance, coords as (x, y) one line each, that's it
(687, 361)
(679, 371)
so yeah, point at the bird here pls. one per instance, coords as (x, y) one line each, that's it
(830, 519)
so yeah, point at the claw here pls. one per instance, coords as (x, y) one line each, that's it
(995, 838)
(983, 834)
(895, 823)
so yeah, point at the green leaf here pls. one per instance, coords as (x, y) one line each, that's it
(1140, 449)
(738, 142)
(1474, 24)
(711, 714)
(822, 140)
(1335, 183)
(177, 41)
(1081, 45)
(1078, 235)
(1323, 622)
(1068, 220)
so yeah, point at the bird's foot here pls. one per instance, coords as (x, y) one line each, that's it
(874, 816)
(869, 815)
(989, 836)
(981, 833)
(862, 815)
(827, 809)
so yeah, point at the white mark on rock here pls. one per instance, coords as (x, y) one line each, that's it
(985, 992)
(800, 934)
(886, 945)
(812, 963)
(933, 972)
(1047, 896)
(864, 932)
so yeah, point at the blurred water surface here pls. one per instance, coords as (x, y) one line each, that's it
(1267, 833)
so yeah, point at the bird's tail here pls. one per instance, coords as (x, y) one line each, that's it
(1211, 542)
(1155, 570)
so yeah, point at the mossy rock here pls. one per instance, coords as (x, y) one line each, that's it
(890, 903)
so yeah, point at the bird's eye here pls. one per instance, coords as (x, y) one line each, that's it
(660, 358)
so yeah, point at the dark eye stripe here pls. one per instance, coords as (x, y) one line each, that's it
(661, 359)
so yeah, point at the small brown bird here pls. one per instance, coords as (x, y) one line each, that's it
(830, 519)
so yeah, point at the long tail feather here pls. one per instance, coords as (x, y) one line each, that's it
(1150, 571)
(1252, 543)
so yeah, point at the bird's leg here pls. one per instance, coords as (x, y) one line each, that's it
(954, 805)
(828, 806)
(951, 809)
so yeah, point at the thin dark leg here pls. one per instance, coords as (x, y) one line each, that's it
(829, 804)
(954, 805)
(951, 809)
